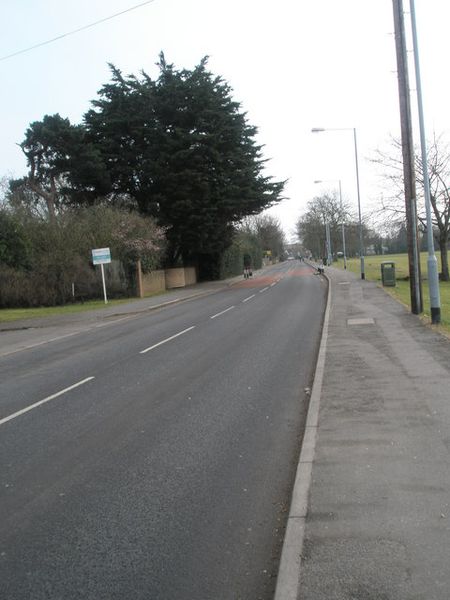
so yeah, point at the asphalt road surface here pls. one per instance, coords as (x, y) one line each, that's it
(154, 458)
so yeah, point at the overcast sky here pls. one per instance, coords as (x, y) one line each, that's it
(293, 65)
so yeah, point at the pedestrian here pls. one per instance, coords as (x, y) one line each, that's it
(247, 266)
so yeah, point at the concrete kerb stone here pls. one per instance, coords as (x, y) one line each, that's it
(160, 305)
(83, 322)
(127, 311)
(288, 579)
(110, 316)
(226, 283)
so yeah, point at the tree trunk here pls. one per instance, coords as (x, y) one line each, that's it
(49, 197)
(443, 241)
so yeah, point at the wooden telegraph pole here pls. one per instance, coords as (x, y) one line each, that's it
(415, 282)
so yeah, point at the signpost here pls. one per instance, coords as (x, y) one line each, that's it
(102, 256)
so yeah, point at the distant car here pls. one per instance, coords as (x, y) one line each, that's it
(290, 258)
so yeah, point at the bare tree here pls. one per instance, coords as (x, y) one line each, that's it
(438, 157)
(322, 209)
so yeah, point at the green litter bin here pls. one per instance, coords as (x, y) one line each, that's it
(388, 273)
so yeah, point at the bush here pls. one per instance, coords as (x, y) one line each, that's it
(244, 243)
(59, 255)
(14, 245)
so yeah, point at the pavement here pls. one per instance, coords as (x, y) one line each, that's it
(370, 511)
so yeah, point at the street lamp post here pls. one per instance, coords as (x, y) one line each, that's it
(328, 238)
(361, 246)
(433, 275)
(343, 227)
(342, 216)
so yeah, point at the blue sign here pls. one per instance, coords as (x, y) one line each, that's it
(101, 256)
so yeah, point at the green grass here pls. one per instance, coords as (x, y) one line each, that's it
(401, 291)
(15, 314)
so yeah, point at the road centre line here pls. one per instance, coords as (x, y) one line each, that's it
(172, 337)
(52, 397)
(222, 313)
(263, 290)
(274, 283)
(249, 298)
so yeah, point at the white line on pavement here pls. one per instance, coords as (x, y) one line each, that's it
(40, 343)
(263, 290)
(167, 339)
(52, 397)
(65, 335)
(222, 313)
(249, 298)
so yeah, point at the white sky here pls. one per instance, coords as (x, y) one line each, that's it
(293, 64)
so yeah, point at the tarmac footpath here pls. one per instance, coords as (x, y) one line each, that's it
(370, 512)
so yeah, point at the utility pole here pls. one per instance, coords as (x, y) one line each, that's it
(415, 282)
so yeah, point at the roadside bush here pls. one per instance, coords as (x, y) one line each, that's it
(58, 267)
(14, 287)
(14, 244)
(232, 262)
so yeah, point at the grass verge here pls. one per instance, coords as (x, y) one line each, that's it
(15, 314)
(401, 291)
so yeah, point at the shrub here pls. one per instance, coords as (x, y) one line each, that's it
(58, 255)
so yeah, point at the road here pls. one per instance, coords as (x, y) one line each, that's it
(154, 458)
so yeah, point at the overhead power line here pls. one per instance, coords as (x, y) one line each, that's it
(59, 37)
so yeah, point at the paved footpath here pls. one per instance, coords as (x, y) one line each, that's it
(371, 519)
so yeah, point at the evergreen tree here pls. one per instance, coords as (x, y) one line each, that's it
(64, 168)
(180, 147)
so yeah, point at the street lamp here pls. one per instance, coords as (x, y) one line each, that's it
(433, 275)
(342, 215)
(361, 247)
(328, 238)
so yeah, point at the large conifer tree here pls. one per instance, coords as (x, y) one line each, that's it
(181, 147)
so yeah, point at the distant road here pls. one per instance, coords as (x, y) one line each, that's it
(153, 459)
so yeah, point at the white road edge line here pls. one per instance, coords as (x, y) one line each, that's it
(249, 298)
(222, 313)
(263, 290)
(274, 283)
(52, 397)
(172, 337)
(65, 335)
(61, 337)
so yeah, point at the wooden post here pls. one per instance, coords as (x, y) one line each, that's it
(139, 284)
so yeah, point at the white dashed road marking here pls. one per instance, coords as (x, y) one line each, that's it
(172, 337)
(222, 312)
(36, 404)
